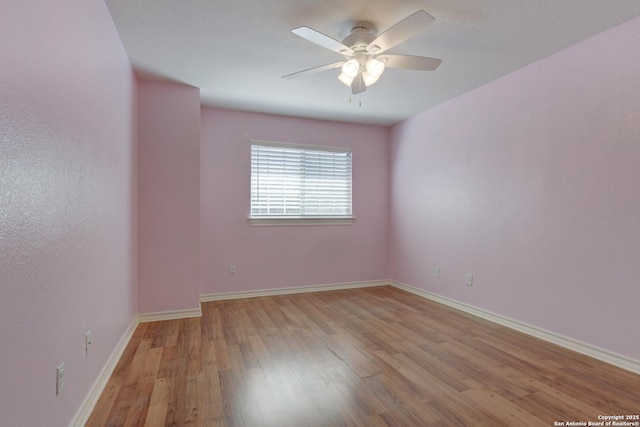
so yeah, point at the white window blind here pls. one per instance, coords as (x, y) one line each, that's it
(298, 181)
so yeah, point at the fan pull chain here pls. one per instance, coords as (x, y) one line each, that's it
(359, 101)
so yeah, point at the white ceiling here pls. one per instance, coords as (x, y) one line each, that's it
(236, 51)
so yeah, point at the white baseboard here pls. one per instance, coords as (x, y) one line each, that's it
(82, 416)
(170, 315)
(288, 291)
(606, 356)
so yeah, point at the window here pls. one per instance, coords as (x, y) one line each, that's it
(299, 182)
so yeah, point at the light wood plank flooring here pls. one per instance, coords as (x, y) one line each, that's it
(363, 357)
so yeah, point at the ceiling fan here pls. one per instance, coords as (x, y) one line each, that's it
(365, 60)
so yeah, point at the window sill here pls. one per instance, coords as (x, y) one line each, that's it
(297, 221)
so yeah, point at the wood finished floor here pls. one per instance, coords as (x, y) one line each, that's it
(363, 357)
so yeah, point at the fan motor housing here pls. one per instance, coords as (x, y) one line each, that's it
(359, 38)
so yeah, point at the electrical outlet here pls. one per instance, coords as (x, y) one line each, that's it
(232, 270)
(88, 340)
(59, 378)
(437, 272)
(469, 279)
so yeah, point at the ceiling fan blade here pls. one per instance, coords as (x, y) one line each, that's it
(410, 62)
(357, 85)
(403, 30)
(313, 70)
(322, 40)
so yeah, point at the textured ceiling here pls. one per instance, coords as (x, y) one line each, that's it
(237, 51)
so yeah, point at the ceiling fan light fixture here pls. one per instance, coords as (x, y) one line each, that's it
(362, 66)
(345, 79)
(375, 67)
(351, 67)
(369, 78)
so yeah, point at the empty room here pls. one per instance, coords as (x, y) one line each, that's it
(304, 213)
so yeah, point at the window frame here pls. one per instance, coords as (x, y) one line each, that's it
(300, 220)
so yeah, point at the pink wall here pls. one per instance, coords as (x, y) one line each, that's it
(531, 184)
(169, 196)
(278, 257)
(67, 203)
